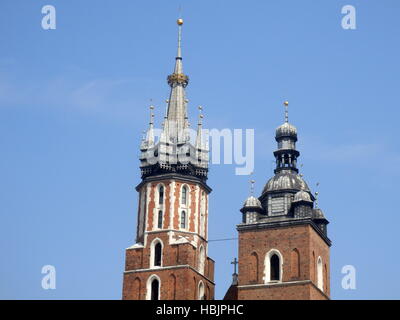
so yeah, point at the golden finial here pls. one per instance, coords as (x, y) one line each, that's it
(179, 22)
(286, 103)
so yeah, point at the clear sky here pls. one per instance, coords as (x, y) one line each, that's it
(74, 102)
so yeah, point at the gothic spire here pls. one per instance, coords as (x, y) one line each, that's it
(177, 120)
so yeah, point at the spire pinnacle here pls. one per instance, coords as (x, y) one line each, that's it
(200, 115)
(177, 121)
(151, 115)
(252, 182)
(150, 131)
(199, 138)
(316, 196)
(286, 104)
(180, 23)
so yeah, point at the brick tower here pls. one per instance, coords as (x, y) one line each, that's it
(169, 260)
(283, 243)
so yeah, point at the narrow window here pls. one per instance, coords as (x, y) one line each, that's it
(159, 222)
(161, 195)
(155, 287)
(320, 277)
(274, 268)
(184, 195)
(183, 219)
(201, 291)
(157, 254)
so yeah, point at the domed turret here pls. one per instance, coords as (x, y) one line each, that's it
(252, 202)
(285, 180)
(252, 208)
(302, 196)
(286, 130)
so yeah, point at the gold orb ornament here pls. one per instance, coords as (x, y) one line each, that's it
(179, 22)
(286, 103)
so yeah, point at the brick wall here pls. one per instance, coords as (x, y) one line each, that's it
(297, 245)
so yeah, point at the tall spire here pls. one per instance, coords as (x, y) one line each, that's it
(177, 120)
(174, 151)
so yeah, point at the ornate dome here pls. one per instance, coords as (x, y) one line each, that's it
(318, 214)
(302, 196)
(286, 130)
(252, 202)
(285, 180)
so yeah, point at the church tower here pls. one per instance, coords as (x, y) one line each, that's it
(169, 260)
(283, 241)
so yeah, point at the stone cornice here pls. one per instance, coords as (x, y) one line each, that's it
(174, 176)
(183, 266)
(282, 224)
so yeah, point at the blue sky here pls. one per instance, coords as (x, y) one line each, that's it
(74, 101)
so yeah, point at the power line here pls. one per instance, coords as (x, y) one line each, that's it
(225, 239)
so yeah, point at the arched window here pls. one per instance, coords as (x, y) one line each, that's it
(156, 249)
(161, 195)
(157, 254)
(320, 276)
(183, 219)
(160, 217)
(201, 291)
(184, 195)
(155, 290)
(202, 257)
(275, 268)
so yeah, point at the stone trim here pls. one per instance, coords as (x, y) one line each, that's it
(158, 269)
(280, 224)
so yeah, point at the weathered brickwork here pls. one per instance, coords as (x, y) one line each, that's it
(287, 291)
(182, 267)
(300, 247)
